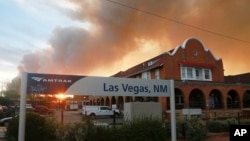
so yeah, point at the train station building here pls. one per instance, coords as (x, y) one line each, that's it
(198, 76)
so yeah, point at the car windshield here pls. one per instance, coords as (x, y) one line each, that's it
(29, 106)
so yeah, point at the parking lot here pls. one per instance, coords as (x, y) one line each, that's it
(74, 116)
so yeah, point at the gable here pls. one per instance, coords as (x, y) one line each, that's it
(192, 51)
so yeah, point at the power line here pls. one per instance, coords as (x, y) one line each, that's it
(178, 22)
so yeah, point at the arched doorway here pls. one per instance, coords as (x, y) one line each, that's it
(98, 101)
(152, 99)
(102, 102)
(113, 100)
(128, 99)
(197, 99)
(246, 99)
(233, 99)
(139, 99)
(120, 103)
(215, 100)
(107, 101)
(179, 100)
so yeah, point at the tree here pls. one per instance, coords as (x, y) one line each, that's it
(5, 101)
(14, 85)
(11, 95)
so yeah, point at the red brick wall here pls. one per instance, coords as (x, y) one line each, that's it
(171, 68)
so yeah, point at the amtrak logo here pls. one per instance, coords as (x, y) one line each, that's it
(38, 79)
(50, 83)
(51, 80)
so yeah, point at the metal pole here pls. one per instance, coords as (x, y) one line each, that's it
(114, 118)
(172, 108)
(62, 120)
(22, 111)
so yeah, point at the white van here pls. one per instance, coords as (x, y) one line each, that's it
(94, 111)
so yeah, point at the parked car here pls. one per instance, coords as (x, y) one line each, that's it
(29, 108)
(43, 110)
(6, 112)
(94, 111)
(5, 121)
(7, 115)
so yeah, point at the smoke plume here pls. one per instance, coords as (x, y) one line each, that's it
(122, 36)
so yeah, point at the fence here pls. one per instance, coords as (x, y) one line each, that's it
(242, 117)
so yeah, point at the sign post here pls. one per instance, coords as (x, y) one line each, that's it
(33, 83)
(22, 111)
(172, 109)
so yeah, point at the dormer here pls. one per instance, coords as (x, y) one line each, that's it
(195, 62)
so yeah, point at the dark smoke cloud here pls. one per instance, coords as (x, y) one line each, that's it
(117, 29)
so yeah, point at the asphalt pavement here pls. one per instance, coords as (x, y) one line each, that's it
(73, 116)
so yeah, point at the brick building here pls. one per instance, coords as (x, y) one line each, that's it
(199, 80)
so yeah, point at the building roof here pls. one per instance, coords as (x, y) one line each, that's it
(142, 67)
(239, 78)
(158, 61)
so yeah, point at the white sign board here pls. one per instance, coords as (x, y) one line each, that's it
(112, 86)
(96, 86)
(191, 111)
(135, 110)
(34, 83)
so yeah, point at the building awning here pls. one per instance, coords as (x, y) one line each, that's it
(193, 64)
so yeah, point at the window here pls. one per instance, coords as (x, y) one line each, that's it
(179, 99)
(189, 72)
(198, 73)
(207, 74)
(183, 72)
(146, 75)
(105, 108)
(157, 74)
(194, 73)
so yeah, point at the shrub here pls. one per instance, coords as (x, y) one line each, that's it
(180, 129)
(51, 124)
(78, 131)
(195, 130)
(35, 128)
(109, 134)
(219, 126)
(214, 126)
(146, 129)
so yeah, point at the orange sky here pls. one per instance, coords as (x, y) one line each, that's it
(121, 37)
